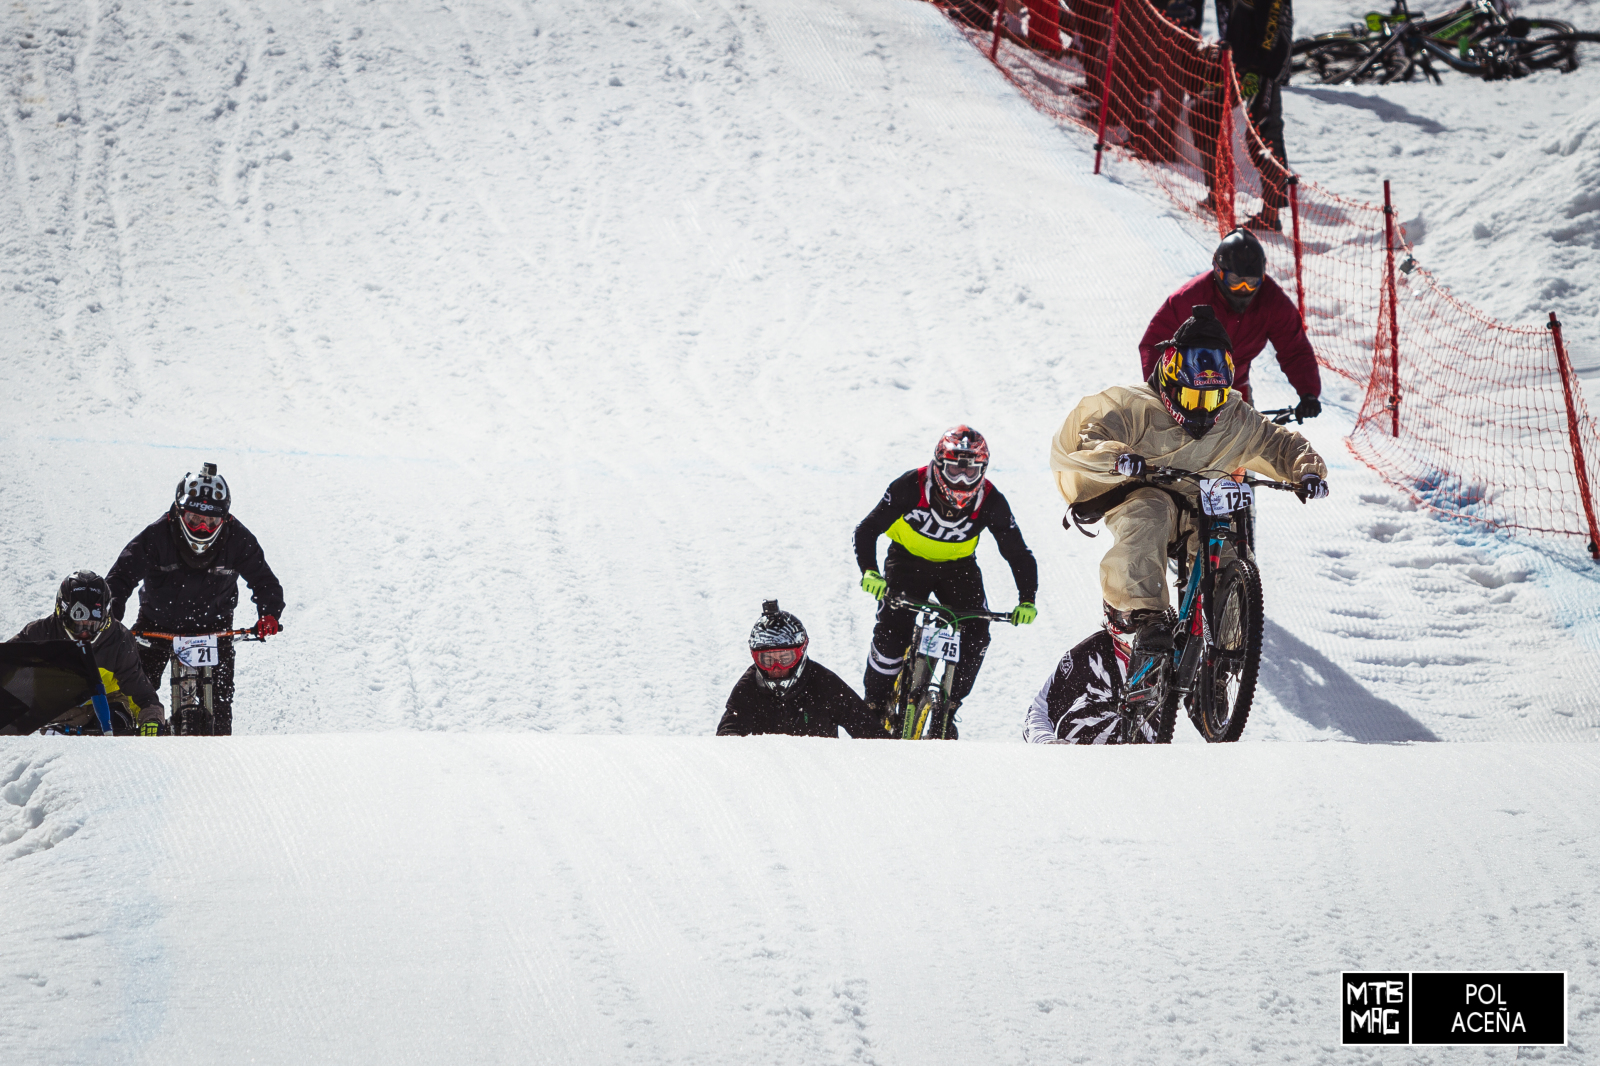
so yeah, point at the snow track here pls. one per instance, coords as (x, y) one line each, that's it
(401, 898)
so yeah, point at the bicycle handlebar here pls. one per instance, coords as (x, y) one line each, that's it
(895, 599)
(242, 634)
(1166, 475)
(1281, 415)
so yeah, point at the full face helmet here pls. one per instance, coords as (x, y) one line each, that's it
(960, 460)
(778, 646)
(200, 507)
(1194, 375)
(83, 606)
(1237, 268)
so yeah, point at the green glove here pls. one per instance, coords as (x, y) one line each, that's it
(1249, 85)
(873, 584)
(151, 728)
(1024, 614)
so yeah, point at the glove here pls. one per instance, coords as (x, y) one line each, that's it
(1312, 487)
(1024, 614)
(267, 625)
(150, 729)
(873, 584)
(1308, 407)
(1130, 465)
(1249, 85)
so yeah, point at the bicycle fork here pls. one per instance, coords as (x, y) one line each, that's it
(193, 698)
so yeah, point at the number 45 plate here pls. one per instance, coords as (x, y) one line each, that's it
(1224, 495)
(195, 651)
(941, 644)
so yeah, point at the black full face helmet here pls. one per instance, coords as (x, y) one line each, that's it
(83, 606)
(1194, 374)
(778, 646)
(1238, 267)
(200, 507)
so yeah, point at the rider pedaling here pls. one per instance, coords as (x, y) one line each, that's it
(83, 615)
(1186, 416)
(933, 516)
(190, 561)
(785, 691)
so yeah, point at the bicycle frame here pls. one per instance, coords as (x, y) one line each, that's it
(922, 688)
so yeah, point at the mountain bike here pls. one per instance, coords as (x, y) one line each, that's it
(1476, 38)
(920, 706)
(1216, 631)
(192, 665)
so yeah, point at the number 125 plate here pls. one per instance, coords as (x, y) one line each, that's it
(1224, 495)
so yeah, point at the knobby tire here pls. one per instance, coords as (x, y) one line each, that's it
(1226, 685)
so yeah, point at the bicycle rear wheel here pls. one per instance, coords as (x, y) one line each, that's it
(1536, 50)
(1333, 60)
(1227, 683)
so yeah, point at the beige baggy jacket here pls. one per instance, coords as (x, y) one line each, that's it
(1134, 419)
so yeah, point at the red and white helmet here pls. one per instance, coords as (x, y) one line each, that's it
(960, 460)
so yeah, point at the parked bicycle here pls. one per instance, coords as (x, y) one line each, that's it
(193, 668)
(1476, 38)
(920, 706)
(1216, 630)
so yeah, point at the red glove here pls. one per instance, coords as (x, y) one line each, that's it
(267, 625)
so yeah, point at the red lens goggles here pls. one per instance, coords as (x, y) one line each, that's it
(202, 523)
(778, 660)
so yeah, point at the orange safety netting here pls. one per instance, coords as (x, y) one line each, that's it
(1471, 418)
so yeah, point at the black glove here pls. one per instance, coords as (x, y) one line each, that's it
(1312, 487)
(1308, 407)
(1130, 465)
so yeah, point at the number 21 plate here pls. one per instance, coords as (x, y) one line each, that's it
(195, 651)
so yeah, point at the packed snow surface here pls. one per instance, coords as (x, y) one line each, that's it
(540, 342)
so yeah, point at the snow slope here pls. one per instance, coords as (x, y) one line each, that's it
(545, 899)
(542, 341)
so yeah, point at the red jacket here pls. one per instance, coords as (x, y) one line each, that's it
(1271, 316)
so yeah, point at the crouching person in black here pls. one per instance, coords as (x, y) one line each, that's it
(1078, 704)
(191, 560)
(785, 692)
(83, 615)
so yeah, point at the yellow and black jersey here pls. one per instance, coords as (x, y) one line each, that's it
(907, 517)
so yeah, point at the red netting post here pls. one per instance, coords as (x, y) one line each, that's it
(1299, 249)
(1105, 95)
(999, 21)
(1577, 438)
(1223, 180)
(1393, 300)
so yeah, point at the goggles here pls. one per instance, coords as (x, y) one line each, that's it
(778, 660)
(83, 622)
(1235, 283)
(201, 523)
(1202, 399)
(961, 471)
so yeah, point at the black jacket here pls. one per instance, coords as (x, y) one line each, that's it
(187, 593)
(906, 514)
(1260, 32)
(115, 655)
(817, 706)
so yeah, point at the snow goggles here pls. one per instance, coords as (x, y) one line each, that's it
(961, 471)
(202, 523)
(1202, 399)
(778, 660)
(1235, 283)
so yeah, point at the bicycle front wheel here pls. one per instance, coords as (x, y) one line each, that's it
(1333, 60)
(1227, 683)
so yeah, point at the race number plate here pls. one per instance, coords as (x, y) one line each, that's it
(195, 651)
(941, 644)
(1224, 495)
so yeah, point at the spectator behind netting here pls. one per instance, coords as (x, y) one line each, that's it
(1259, 32)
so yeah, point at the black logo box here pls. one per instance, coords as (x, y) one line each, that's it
(1453, 1008)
